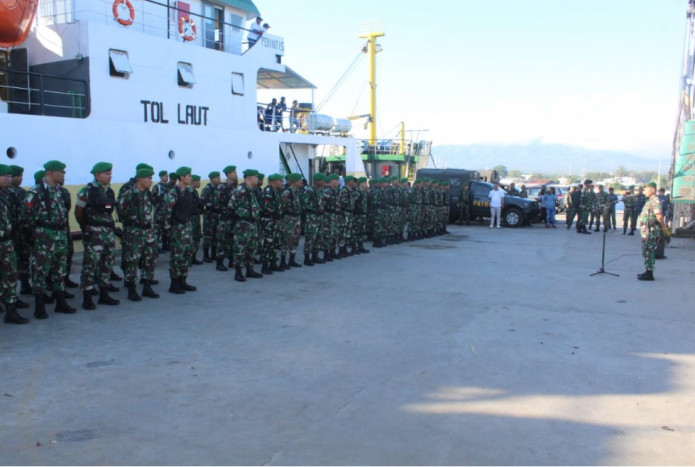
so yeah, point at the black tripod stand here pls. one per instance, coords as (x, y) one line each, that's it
(603, 251)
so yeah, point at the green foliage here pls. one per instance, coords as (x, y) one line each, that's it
(501, 169)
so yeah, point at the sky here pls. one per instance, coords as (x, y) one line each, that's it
(595, 74)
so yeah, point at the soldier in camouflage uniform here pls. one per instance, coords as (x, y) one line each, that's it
(402, 196)
(46, 211)
(179, 205)
(312, 206)
(629, 218)
(210, 217)
(94, 213)
(380, 207)
(21, 232)
(651, 227)
(196, 226)
(330, 204)
(587, 203)
(370, 208)
(464, 206)
(600, 202)
(136, 211)
(159, 192)
(8, 257)
(224, 239)
(258, 191)
(412, 196)
(290, 222)
(347, 211)
(360, 220)
(270, 215)
(244, 206)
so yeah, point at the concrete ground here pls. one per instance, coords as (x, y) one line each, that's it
(484, 346)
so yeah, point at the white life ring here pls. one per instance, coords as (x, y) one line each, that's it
(187, 29)
(123, 7)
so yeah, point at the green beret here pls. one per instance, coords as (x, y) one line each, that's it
(38, 176)
(5, 170)
(229, 169)
(248, 172)
(404, 180)
(319, 177)
(173, 176)
(163, 172)
(213, 174)
(274, 178)
(395, 177)
(349, 178)
(100, 167)
(361, 179)
(631, 187)
(334, 177)
(144, 172)
(652, 184)
(261, 176)
(195, 178)
(426, 180)
(54, 166)
(141, 165)
(183, 171)
(293, 177)
(16, 170)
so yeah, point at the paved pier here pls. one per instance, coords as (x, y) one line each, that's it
(486, 346)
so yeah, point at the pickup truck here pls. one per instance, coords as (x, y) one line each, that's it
(515, 212)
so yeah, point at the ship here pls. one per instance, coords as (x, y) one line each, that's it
(168, 83)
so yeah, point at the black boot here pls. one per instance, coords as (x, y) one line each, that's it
(624, 230)
(253, 274)
(647, 275)
(327, 256)
(316, 259)
(49, 299)
(195, 259)
(68, 294)
(175, 286)
(25, 288)
(114, 277)
(39, 307)
(206, 255)
(87, 302)
(283, 263)
(132, 292)
(186, 286)
(343, 252)
(292, 262)
(11, 315)
(274, 266)
(231, 263)
(70, 284)
(239, 275)
(632, 232)
(307, 259)
(363, 249)
(147, 290)
(61, 305)
(220, 265)
(105, 298)
(266, 268)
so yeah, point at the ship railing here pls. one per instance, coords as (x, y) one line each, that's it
(34, 93)
(156, 17)
(397, 146)
(302, 122)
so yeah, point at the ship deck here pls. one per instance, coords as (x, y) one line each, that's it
(479, 347)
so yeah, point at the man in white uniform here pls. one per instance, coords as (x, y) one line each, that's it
(256, 32)
(496, 203)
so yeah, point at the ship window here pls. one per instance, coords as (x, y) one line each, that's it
(186, 76)
(119, 64)
(238, 84)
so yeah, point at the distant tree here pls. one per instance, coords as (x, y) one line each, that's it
(620, 172)
(514, 173)
(536, 176)
(616, 186)
(597, 175)
(501, 169)
(646, 176)
(573, 179)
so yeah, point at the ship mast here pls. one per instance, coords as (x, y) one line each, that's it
(372, 49)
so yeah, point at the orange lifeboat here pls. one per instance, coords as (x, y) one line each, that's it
(16, 17)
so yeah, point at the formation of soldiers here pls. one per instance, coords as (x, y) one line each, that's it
(591, 206)
(243, 223)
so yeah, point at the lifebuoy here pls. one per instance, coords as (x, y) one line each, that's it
(188, 33)
(119, 6)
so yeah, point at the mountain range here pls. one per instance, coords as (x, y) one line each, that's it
(540, 157)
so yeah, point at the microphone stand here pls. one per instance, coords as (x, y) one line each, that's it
(603, 249)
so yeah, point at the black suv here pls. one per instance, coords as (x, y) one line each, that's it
(517, 211)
